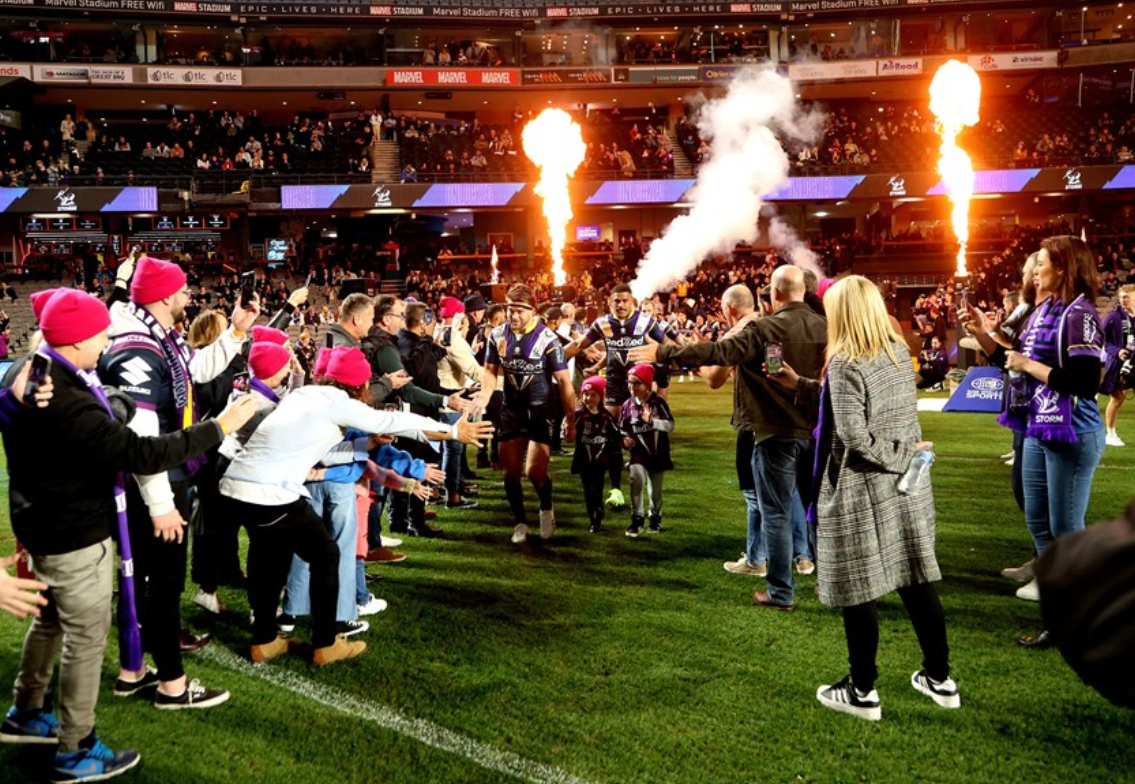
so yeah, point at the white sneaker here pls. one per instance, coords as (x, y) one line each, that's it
(1113, 439)
(1030, 592)
(520, 534)
(547, 523)
(373, 606)
(1011, 460)
(210, 601)
(944, 693)
(1008, 455)
(391, 542)
(742, 566)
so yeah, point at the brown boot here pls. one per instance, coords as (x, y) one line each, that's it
(270, 650)
(340, 650)
(385, 555)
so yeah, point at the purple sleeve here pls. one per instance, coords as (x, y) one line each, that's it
(492, 355)
(594, 333)
(1084, 336)
(657, 331)
(1113, 329)
(9, 408)
(555, 355)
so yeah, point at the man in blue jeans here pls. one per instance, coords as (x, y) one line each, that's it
(782, 431)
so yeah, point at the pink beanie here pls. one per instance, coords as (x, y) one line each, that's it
(267, 359)
(348, 366)
(450, 306)
(269, 334)
(155, 280)
(39, 301)
(322, 360)
(596, 383)
(645, 372)
(72, 316)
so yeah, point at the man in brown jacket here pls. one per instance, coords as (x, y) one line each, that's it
(782, 456)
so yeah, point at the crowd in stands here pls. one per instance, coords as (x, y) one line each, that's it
(469, 150)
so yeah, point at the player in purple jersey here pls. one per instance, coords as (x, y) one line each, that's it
(624, 328)
(530, 356)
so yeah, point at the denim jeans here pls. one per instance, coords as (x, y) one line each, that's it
(362, 593)
(778, 464)
(334, 503)
(1057, 483)
(755, 550)
(451, 454)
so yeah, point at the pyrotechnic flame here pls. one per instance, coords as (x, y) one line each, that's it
(955, 98)
(555, 144)
(493, 261)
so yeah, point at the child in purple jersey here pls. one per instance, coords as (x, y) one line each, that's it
(596, 445)
(646, 423)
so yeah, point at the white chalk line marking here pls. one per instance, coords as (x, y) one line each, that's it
(423, 731)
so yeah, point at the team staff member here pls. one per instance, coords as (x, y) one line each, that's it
(149, 360)
(530, 355)
(65, 514)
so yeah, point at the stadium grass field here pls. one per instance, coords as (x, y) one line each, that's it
(604, 659)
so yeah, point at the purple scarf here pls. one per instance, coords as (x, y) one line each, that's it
(1048, 416)
(823, 426)
(263, 389)
(177, 354)
(129, 636)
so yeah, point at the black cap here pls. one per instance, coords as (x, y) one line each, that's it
(475, 302)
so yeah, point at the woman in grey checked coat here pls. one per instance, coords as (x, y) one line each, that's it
(871, 539)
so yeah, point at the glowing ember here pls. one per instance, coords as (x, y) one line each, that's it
(955, 98)
(555, 144)
(493, 261)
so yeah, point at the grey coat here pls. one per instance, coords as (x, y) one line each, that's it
(870, 538)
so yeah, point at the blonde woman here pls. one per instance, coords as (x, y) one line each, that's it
(872, 540)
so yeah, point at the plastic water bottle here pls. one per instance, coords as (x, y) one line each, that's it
(915, 476)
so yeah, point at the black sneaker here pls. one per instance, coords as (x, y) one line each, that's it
(596, 525)
(424, 530)
(655, 525)
(194, 696)
(944, 693)
(635, 528)
(125, 688)
(286, 623)
(349, 628)
(845, 698)
(399, 527)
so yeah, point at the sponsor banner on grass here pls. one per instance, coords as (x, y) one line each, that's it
(980, 392)
(1014, 61)
(453, 77)
(194, 77)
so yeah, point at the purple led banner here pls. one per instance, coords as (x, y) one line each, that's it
(310, 197)
(639, 192)
(1124, 179)
(470, 194)
(993, 181)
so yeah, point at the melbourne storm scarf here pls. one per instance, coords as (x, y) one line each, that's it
(1048, 415)
(129, 636)
(177, 354)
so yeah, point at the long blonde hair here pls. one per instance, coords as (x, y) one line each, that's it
(858, 323)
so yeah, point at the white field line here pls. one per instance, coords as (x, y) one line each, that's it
(417, 729)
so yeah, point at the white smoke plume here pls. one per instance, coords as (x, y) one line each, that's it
(746, 163)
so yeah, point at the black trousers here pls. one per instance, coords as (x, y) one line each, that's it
(275, 534)
(861, 626)
(159, 579)
(593, 476)
(215, 558)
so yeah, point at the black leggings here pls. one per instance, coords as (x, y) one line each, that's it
(275, 534)
(861, 625)
(593, 476)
